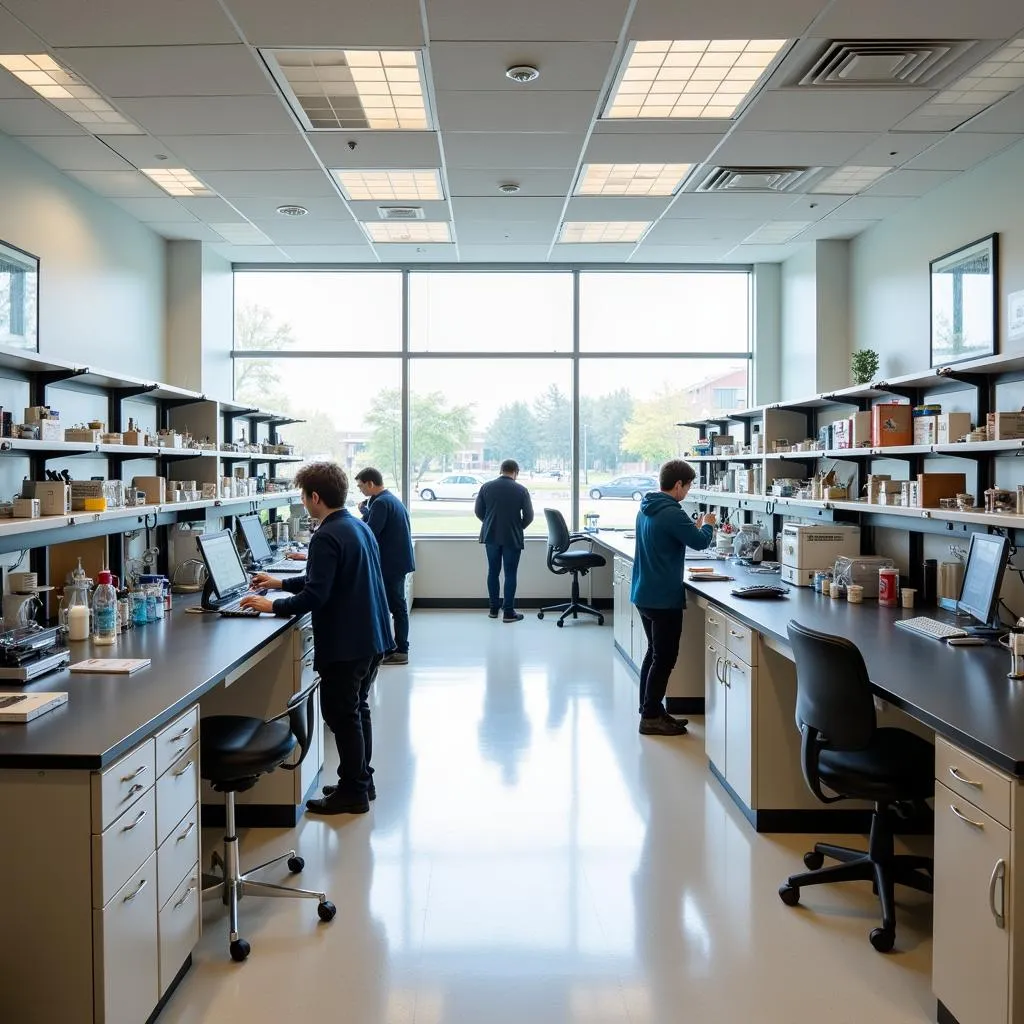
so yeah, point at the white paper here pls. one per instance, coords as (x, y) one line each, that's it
(1015, 316)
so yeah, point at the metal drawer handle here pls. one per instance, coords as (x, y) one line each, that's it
(185, 834)
(726, 672)
(963, 778)
(184, 768)
(712, 647)
(998, 878)
(128, 828)
(188, 892)
(975, 824)
(138, 889)
(732, 632)
(181, 735)
(137, 788)
(308, 663)
(135, 774)
(711, 619)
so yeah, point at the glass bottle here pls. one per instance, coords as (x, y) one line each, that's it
(77, 614)
(104, 610)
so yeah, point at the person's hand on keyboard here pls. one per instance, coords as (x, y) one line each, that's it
(264, 579)
(297, 556)
(258, 603)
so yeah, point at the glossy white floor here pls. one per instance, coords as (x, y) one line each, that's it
(531, 860)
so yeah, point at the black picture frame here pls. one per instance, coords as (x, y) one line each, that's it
(19, 298)
(964, 302)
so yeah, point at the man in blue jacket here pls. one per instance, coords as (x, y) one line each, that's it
(343, 589)
(663, 533)
(384, 513)
(505, 509)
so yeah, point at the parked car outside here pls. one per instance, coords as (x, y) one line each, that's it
(454, 487)
(634, 487)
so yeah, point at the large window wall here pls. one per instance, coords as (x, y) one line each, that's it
(435, 376)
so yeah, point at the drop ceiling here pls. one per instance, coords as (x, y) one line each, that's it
(193, 81)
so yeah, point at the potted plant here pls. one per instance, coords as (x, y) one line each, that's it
(864, 366)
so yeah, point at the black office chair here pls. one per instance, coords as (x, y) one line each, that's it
(843, 750)
(561, 560)
(234, 752)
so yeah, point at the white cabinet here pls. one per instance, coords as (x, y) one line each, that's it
(637, 637)
(714, 703)
(739, 733)
(622, 577)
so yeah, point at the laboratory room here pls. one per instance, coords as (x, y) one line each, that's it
(512, 512)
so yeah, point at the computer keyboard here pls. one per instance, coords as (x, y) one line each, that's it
(934, 629)
(234, 609)
(761, 591)
(288, 565)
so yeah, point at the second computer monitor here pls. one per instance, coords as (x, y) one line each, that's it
(255, 539)
(986, 561)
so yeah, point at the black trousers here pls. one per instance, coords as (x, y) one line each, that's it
(394, 587)
(344, 688)
(664, 627)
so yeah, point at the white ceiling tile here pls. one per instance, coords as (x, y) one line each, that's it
(503, 253)
(761, 253)
(869, 208)
(506, 209)
(35, 117)
(433, 209)
(1005, 116)
(328, 23)
(231, 184)
(812, 206)
(12, 88)
(917, 19)
(908, 183)
(891, 149)
(123, 184)
(141, 150)
(305, 231)
(725, 19)
(16, 37)
(607, 252)
(829, 228)
(252, 253)
(188, 231)
(124, 22)
(243, 152)
(961, 151)
(428, 252)
(715, 233)
(377, 150)
(331, 253)
(789, 149)
(729, 207)
(526, 19)
(515, 112)
(473, 150)
(481, 66)
(209, 115)
(531, 182)
(648, 253)
(597, 208)
(212, 210)
(855, 110)
(76, 153)
(669, 149)
(511, 232)
(265, 208)
(157, 211)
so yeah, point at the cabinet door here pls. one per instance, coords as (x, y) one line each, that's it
(739, 738)
(623, 625)
(638, 638)
(971, 951)
(311, 766)
(714, 704)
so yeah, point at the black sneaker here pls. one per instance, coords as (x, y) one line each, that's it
(514, 617)
(663, 725)
(493, 613)
(335, 804)
(396, 658)
(371, 793)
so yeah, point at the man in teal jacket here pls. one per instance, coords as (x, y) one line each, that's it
(663, 533)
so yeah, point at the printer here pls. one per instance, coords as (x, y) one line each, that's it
(808, 548)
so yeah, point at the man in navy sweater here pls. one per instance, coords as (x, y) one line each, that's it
(384, 513)
(343, 589)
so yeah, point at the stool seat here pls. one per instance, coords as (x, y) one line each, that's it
(235, 747)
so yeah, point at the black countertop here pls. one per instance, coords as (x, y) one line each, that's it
(108, 714)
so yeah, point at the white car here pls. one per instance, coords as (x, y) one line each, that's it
(455, 486)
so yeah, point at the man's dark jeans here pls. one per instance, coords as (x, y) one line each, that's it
(502, 556)
(664, 627)
(344, 688)
(395, 590)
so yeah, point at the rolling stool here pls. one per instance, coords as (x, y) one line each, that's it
(234, 752)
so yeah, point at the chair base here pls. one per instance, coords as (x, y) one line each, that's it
(574, 606)
(878, 865)
(231, 883)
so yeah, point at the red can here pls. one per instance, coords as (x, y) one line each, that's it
(888, 586)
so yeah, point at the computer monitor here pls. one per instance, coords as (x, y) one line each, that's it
(986, 561)
(226, 576)
(255, 539)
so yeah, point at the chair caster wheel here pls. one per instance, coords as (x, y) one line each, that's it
(813, 860)
(239, 950)
(326, 910)
(600, 620)
(883, 939)
(789, 894)
(559, 623)
(296, 864)
(540, 615)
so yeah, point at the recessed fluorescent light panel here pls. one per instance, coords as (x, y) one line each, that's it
(352, 89)
(39, 71)
(631, 179)
(176, 181)
(424, 231)
(603, 231)
(777, 232)
(990, 81)
(689, 78)
(848, 181)
(394, 185)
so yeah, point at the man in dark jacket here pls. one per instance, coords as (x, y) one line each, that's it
(384, 513)
(663, 533)
(343, 589)
(504, 507)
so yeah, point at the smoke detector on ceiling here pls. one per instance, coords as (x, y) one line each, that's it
(509, 188)
(522, 73)
(400, 212)
(292, 211)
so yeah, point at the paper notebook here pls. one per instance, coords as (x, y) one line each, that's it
(23, 707)
(121, 666)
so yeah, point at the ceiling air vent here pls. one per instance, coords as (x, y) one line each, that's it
(883, 63)
(757, 179)
(400, 212)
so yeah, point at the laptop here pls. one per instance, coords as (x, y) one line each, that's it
(263, 558)
(227, 580)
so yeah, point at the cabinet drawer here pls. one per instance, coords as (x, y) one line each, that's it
(177, 853)
(176, 791)
(179, 926)
(122, 848)
(714, 624)
(985, 787)
(126, 951)
(741, 640)
(173, 741)
(116, 788)
(302, 642)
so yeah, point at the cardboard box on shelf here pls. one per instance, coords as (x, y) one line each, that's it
(155, 488)
(891, 424)
(926, 430)
(82, 435)
(132, 437)
(1005, 426)
(933, 486)
(50, 430)
(952, 426)
(54, 498)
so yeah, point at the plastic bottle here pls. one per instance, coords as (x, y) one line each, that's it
(104, 610)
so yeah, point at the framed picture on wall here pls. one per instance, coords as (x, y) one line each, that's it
(965, 303)
(19, 298)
